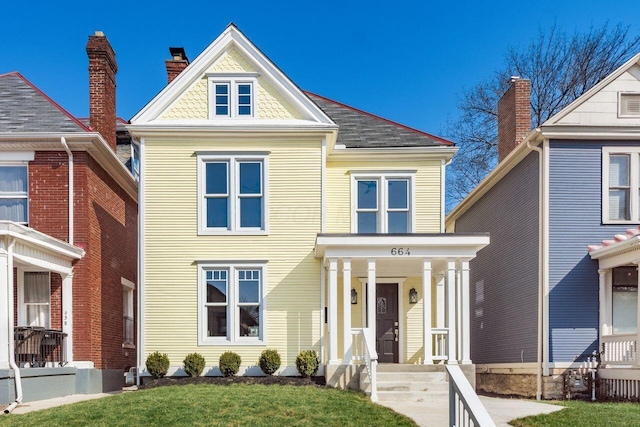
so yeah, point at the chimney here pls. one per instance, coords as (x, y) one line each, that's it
(514, 116)
(177, 64)
(102, 87)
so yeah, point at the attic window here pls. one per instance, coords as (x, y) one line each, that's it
(630, 104)
(232, 97)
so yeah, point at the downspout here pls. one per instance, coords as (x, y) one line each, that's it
(141, 266)
(540, 270)
(12, 356)
(66, 147)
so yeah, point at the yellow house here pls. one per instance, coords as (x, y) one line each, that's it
(276, 218)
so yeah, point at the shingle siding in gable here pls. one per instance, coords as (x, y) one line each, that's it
(504, 319)
(575, 221)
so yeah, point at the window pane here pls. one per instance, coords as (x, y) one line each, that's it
(216, 291)
(216, 321)
(13, 179)
(244, 89)
(217, 212)
(248, 291)
(216, 178)
(398, 194)
(367, 222)
(251, 212)
(222, 100)
(222, 111)
(244, 110)
(244, 99)
(222, 89)
(625, 309)
(367, 194)
(13, 210)
(38, 315)
(398, 222)
(619, 170)
(36, 288)
(249, 321)
(250, 178)
(619, 204)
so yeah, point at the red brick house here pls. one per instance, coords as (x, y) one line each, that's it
(68, 241)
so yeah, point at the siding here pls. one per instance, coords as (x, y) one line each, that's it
(575, 221)
(504, 309)
(172, 246)
(427, 192)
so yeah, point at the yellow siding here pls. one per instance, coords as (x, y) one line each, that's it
(172, 246)
(427, 190)
(193, 103)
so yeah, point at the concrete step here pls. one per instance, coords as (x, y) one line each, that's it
(412, 376)
(398, 367)
(414, 386)
(411, 396)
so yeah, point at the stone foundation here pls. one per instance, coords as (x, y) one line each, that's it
(520, 384)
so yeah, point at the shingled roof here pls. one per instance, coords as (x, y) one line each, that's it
(359, 129)
(24, 108)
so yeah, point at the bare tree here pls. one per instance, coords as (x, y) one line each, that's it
(561, 67)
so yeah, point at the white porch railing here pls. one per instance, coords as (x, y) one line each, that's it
(465, 408)
(620, 349)
(363, 348)
(440, 346)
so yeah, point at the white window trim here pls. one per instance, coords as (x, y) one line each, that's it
(18, 160)
(22, 308)
(233, 80)
(634, 171)
(234, 199)
(232, 337)
(382, 178)
(129, 287)
(620, 113)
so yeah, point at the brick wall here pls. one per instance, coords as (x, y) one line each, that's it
(514, 116)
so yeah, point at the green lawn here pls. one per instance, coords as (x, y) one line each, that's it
(214, 405)
(589, 414)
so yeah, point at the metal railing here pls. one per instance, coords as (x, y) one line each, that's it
(38, 347)
(465, 408)
(128, 330)
(363, 349)
(620, 349)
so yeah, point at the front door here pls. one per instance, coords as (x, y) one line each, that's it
(387, 322)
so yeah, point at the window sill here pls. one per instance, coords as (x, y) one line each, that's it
(224, 342)
(232, 232)
(127, 345)
(618, 222)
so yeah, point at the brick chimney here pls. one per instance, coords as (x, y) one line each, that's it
(177, 64)
(514, 116)
(102, 87)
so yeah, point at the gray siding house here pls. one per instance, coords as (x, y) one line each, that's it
(559, 282)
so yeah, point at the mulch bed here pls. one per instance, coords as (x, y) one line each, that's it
(266, 380)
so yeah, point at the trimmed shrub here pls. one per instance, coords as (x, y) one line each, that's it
(229, 363)
(157, 364)
(269, 361)
(307, 363)
(193, 364)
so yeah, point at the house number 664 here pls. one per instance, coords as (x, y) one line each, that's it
(400, 251)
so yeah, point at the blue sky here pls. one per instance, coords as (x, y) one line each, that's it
(404, 60)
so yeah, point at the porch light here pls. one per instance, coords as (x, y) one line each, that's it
(354, 296)
(413, 296)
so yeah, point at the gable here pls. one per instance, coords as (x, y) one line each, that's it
(231, 58)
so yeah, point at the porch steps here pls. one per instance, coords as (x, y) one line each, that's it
(409, 383)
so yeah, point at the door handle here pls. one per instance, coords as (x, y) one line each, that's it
(395, 333)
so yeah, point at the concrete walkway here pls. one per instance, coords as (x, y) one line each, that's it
(435, 412)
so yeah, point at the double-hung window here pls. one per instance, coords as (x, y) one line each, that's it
(624, 300)
(232, 97)
(34, 299)
(621, 185)
(232, 193)
(231, 304)
(14, 193)
(382, 203)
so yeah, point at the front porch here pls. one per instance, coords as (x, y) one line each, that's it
(395, 299)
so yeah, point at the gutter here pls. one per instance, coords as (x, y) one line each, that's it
(12, 356)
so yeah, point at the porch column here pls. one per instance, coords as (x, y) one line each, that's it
(637, 362)
(440, 303)
(346, 305)
(465, 329)
(333, 311)
(67, 315)
(371, 296)
(451, 311)
(4, 307)
(427, 357)
(459, 312)
(603, 305)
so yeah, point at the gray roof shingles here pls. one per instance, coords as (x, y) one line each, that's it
(359, 129)
(24, 108)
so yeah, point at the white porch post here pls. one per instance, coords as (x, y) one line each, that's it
(4, 307)
(440, 303)
(637, 362)
(603, 305)
(371, 296)
(451, 311)
(67, 314)
(333, 311)
(466, 333)
(427, 357)
(459, 312)
(346, 304)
